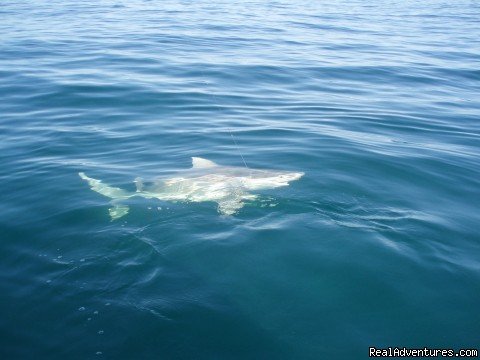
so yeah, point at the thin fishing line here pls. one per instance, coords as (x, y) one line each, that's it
(217, 107)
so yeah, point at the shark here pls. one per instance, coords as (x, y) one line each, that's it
(228, 186)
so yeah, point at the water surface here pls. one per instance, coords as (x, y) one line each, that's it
(377, 245)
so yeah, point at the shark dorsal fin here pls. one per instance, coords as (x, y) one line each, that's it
(199, 163)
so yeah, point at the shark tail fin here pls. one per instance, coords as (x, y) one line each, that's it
(104, 189)
(111, 192)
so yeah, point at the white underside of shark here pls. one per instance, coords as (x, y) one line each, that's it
(228, 186)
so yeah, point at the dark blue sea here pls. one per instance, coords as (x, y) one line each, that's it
(377, 245)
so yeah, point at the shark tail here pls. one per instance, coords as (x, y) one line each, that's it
(114, 193)
(104, 189)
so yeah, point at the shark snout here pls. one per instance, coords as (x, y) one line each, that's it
(291, 176)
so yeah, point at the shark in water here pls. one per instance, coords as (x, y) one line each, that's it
(228, 186)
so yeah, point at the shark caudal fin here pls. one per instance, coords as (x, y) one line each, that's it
(108, 191)
(114, 193)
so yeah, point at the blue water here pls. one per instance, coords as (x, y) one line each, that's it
(377, 245)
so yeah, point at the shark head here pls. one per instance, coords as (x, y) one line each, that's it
(251, 179)
(270, 179)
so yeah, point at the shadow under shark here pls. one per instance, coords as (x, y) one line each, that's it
(228, 186)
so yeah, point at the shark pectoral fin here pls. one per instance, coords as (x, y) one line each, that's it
(229, 206)
(117, 211)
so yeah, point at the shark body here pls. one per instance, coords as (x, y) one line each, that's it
(228, 186)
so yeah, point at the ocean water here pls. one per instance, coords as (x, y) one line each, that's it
(377, 245)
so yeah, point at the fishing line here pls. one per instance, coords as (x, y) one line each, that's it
(218, 107)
